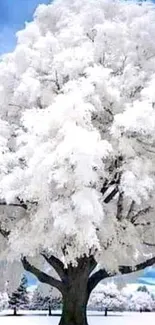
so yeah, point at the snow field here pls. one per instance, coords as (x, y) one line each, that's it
(112, 319)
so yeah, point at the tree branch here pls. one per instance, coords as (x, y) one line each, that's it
(19, 205)
(115, 181)
(148, 244)
(104, 187)
(144, 224)
(140, 213)
(119, 214)
(92, 264)
(129, 269)
(111, 195)
(41, 276)
(130, 209)
(95, 278)
(56, 264)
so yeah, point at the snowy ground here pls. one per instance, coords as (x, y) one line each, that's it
(95, 319)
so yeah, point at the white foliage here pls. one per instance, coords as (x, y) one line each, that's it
(108, 296)
(141, 300)
(76, 94)
(4, 300)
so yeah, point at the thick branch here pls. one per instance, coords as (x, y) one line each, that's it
(19, 205)
(131, 209)
(140, 213)
(96, 278)
(144, 224)
(41, 276)
(92, 264)
(56, 264)
(105, 186)
(129, 269)
(111, 195)
(148, 244)
(119, 214)
(115, 181)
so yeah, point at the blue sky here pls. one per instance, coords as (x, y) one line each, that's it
(13, 14)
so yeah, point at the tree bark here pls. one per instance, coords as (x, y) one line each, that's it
(76, 293)
(74, 306)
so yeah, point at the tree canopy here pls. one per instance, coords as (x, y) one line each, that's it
(77, 135)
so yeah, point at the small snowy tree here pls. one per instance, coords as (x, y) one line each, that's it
(4, 300)
(77, 145)
(37, 301)
(20, 298)
(56, 303)
(40, 301)
(107, 296)
(141, 300)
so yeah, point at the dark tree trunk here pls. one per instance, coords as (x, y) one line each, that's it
(76, 294)
(14, 311)
(74, 309)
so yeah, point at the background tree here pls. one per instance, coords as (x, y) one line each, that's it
(56, 303)
(77, 146)
(3, 300)
(39, 301)
(20, 298)
(141, 300)
(108, 296)
(143, 288)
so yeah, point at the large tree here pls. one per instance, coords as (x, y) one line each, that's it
(77, 145)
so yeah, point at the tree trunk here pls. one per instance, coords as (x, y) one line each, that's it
(14, 311)
(76, 293)
(75, 303)
(74, 311)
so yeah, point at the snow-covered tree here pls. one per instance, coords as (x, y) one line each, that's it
(4, 300)
(20, 298)
(77, 145)
(141, 300)
(39, 301)
(56, 302)
(107, 296)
